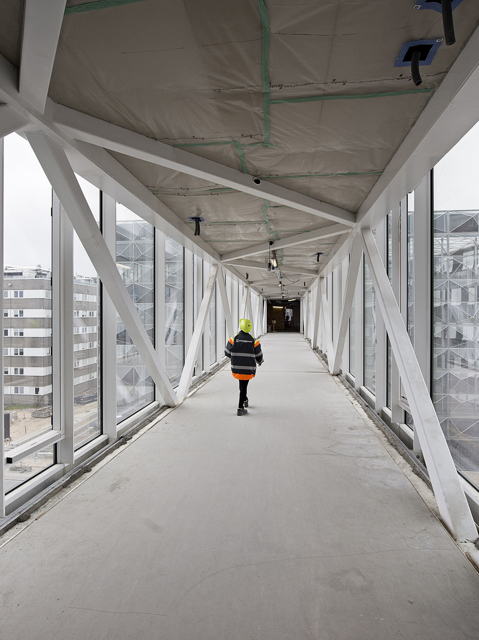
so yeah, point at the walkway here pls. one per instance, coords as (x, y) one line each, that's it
(290, 523)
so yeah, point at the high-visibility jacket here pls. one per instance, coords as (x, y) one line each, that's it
(244, 352)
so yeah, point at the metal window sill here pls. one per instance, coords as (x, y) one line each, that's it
(30, 447)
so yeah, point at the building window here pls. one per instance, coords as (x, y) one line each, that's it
(37, 391)
(5, 332)
(5, 371)
(5, 352)
(28, 242)
(5, 294)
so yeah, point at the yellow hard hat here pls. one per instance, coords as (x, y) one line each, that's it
(245, 325)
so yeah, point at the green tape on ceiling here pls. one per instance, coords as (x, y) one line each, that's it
(101, 4)
(358, 96)
(241, 155)
(265, 215)
(263, 13)
(325, 175)
(204, 144)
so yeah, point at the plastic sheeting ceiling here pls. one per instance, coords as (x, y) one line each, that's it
(212, 76)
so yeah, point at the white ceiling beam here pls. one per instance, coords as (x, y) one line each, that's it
(41, 32)
(300, 238)
(10, 120)
(249, 264)
(101, 169)
(88, 129)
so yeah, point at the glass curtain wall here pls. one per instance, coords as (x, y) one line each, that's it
(174, 311)
(86, 334)
(135, 256)
(369, 331)
(456, 302)
(27, 309)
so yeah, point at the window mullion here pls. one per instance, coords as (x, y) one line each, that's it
(62, 332)
(108, 327)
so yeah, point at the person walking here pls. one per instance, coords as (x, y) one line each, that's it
(244, 352)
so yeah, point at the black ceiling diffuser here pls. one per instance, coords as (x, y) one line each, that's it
(445, 7)
(196, 220)
(418, 53)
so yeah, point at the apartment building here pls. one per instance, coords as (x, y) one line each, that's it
(27, 337)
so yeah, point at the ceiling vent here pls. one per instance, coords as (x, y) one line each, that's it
(417, 53)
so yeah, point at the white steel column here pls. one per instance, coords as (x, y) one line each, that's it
(397, 412)
(449, 494)
(2, 399)
(62, 332)
(220, 317)
(225, 304)
(206, 332)
(381, 351)
(422, 276)
(160, 297)
(187, 375)
(351, 281)
(108, 327)
(317, 307)
(359, 327)
(189, 308)
(60, 174)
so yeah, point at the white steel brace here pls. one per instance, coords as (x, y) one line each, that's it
(42, 22)
(326, 315)
(447, 488)
(200, 323)
(353, 271)
(60, 174)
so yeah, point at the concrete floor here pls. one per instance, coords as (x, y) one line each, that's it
(290, 523)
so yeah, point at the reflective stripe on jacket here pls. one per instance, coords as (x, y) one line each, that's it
(244, 352)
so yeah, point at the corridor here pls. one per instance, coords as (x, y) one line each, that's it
(293, 522)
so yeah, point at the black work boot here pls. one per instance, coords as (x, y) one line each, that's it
(241, 412)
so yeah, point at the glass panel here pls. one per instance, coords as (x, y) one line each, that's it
(456, 303)
(135, 256)
(27, 323)
(174, 296)
(86, 334)
(369, 332)
(410, 266)
(19, 472)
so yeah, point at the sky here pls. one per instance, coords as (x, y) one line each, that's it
(27, 211)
